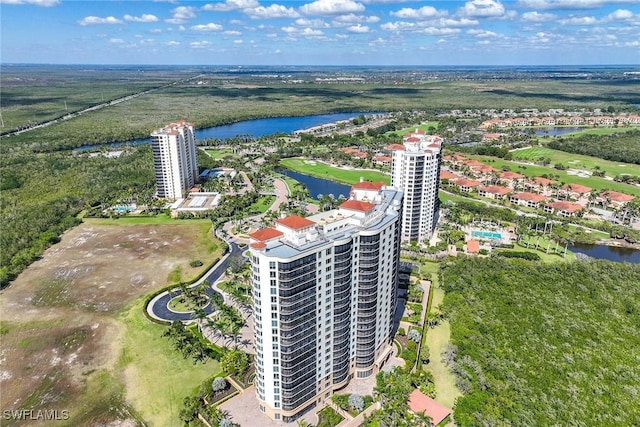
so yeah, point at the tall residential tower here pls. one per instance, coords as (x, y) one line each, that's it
(415, 168)
(324, 292)
(174, 158)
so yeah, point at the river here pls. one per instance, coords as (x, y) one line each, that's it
(255, 128)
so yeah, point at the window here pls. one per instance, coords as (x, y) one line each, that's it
(274, 291)
(276, 369)
(272, 264)
(277, 405)
(273, 299)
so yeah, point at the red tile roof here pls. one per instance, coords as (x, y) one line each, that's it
(576, 188)
(448, 175)
(473, 246)
(530, 197)
(258, 245)
(265, 234)
(419, 402)
(463, 182)
(382, 158)
(511, 175)
(412, 139)
(295, 222)
(357, 205)
(542, 181)
(368, 185)
(396, 147)
(617, 197)
(565, 206)
(495, 189)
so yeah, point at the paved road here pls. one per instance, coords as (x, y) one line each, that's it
(159, 306)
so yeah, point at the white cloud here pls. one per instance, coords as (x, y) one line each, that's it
(434, 31)
(277, 51)
(309, 32)
(482, 33)
(155, 31)
(579, 20)
(304, 32)
(352, 18)
(538, 17)
(398, 26)
(207, 27)
(231, 5)
(116, 41)
(571, 4)
(94, 20)
(181, 14)
(313, 23)
(358, 29)
(233, 33)
(425, 12)
(632, 44)
(620, 15)
(450, 22)
(482, 9)
(199, 45)
(271, 12)
(43, 3)
(146, 17)
(331, 7)
(173, 43)
(237, 42)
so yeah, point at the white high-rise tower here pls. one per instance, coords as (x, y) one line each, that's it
(324, 291)
(415, 168)
(174, 158)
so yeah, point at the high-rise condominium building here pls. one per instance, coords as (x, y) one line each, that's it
(415, 168)
(174, 158)
(324, 292)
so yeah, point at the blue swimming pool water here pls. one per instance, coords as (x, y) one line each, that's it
(486, 234)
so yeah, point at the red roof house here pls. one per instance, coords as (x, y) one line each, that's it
(295, 222)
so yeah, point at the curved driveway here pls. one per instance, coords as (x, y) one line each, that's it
(158, 307)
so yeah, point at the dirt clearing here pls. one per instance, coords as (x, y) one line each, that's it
(62, 327)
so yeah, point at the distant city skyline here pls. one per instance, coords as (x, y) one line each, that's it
(321, 32)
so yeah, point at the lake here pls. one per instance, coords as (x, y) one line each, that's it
(318, 185)
(611, 253)
(255, 128)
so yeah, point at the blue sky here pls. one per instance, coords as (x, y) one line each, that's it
(321, 32)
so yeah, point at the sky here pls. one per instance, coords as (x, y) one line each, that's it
(321, 32)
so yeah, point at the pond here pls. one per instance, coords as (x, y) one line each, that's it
(556, 131)
(611, 253)
(318, 185)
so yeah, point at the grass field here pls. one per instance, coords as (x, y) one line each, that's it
(321, 170)
(590, 131)
(157, 377)
(425, 127)
(262, 204)
(220, 154)
(576, 161)
(140, 220)
(535, 170)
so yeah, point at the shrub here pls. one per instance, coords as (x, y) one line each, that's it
(356, 402)
(415, 335)
(195, 263)
(218, 384)
(402, 332)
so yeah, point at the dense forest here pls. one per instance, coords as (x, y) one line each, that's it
(544, 344)
(42, 194)
(617, 147)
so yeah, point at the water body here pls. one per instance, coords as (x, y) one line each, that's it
(611, 253)
(254, 128)
(556, 131)
(318, 185)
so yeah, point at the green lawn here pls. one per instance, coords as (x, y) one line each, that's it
(425, 127)
(220, 154)
(543, 242)
(321, 170)
(445, 197)
(535, 170)
(576, 161)
(176, 304)
(263, 203)
(138, 220)
(157, 377)
(592, 131)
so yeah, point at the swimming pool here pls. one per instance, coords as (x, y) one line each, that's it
(480, 234)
